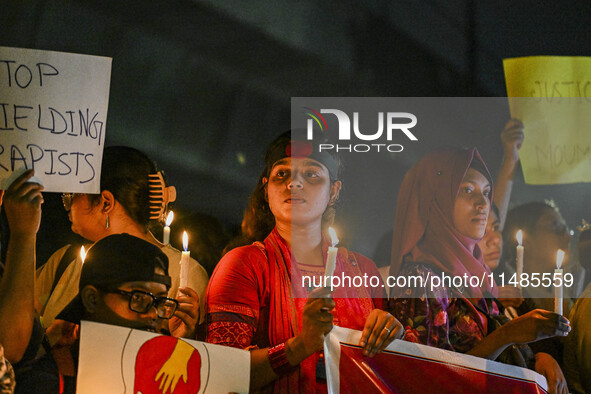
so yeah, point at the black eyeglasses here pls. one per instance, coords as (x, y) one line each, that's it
(142, 301)
(67, 199)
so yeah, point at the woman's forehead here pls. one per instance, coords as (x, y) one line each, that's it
(298, 162)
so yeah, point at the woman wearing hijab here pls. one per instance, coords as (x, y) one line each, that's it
(441, 215)
(249, 299)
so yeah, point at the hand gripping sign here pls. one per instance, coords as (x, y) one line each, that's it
(405, 367)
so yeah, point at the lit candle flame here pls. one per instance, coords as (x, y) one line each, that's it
(559, 258)
(169, 218)
(333, 237)
(185, 241)
(519, 237)
(82, 254)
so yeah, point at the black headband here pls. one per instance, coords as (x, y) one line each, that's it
(296, 148)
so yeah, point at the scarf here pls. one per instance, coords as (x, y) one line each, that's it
(423, 228)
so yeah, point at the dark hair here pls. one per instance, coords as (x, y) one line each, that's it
(258, 220)
(124, 172)
(584, 250)
(495, 210)
(522, 217)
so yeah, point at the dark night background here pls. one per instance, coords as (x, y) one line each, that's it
(203, 86)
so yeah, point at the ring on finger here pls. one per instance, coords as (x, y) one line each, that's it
(388, 329)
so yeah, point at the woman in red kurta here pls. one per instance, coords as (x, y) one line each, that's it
(255, 298)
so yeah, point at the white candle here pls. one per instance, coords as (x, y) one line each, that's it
(558, 289)
(166, 233)
(331, 257)
(184, 274)
(519, 257)
(82, 254)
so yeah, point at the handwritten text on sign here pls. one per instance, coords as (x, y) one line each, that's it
(53, 112)
(552, 96)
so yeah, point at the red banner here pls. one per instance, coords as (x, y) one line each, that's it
(406, 367)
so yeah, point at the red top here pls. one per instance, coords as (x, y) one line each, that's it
(249, 301)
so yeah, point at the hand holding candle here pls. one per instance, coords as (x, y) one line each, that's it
(519, 257)
(166, 233)
(184, 274)
(331, 257)
(558, 296)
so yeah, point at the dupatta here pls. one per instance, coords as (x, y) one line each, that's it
(286, 309)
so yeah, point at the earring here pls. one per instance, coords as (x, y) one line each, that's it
(107, 225)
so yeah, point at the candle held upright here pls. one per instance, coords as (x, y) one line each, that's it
(166, 231)
(184, 274)
(519, 257)
(558, 295)
(331, 256)
(82, 254)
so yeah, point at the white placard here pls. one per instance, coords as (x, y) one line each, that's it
(53, 113)
(122, 360)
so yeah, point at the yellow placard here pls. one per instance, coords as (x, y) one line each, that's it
(552, 96)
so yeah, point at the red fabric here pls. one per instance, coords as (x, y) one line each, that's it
(236, 334)
(299, 149)
(374, 375)
(423, 227)
(249, 283)
(285, 313)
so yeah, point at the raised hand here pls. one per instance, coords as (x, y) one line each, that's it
(316, 320)
(22, 203)
(512, 138)
(186, 317)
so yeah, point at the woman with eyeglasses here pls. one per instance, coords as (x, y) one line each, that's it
(130, 201)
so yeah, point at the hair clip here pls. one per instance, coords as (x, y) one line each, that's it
(160, 195)
(551, 203)
(584, 226)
